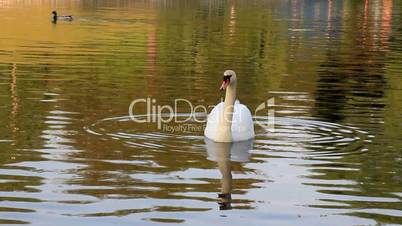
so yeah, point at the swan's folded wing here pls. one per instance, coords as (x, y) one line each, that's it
(242, 125)
(212, 121)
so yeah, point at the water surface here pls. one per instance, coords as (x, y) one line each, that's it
(69, 152)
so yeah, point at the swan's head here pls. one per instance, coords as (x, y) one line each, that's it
(229, 79)
(54, 13)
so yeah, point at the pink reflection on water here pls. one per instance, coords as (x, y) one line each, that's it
(232, 22)
(386, 19)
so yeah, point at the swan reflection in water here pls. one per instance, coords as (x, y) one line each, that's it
(224, 154)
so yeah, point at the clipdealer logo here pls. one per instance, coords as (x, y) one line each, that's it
(162, 115)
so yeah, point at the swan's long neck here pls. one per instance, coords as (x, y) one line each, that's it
(230, 99)
(225, 122)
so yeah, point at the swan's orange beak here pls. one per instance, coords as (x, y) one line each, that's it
(226, 81)
(225, 84)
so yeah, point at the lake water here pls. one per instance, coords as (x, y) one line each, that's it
(330, 70)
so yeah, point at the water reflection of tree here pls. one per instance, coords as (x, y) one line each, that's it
(353, 72)
(17, 138)
(352, 89)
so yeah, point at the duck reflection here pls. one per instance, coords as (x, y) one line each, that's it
(224, 154)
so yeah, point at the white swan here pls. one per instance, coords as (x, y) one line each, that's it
(229, 121)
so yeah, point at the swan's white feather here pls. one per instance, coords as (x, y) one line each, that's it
(242, 122)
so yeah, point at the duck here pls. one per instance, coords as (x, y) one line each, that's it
(56, 18)
(229, 121)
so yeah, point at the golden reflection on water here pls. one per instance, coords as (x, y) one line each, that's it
(71, 154)
(14, 97)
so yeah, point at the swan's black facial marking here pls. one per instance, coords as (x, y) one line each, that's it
(226, 78)
(226, 81)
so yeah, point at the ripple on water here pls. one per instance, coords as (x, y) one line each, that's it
(149, 174)
(312, 139)
(325, 143)
(291, 137)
